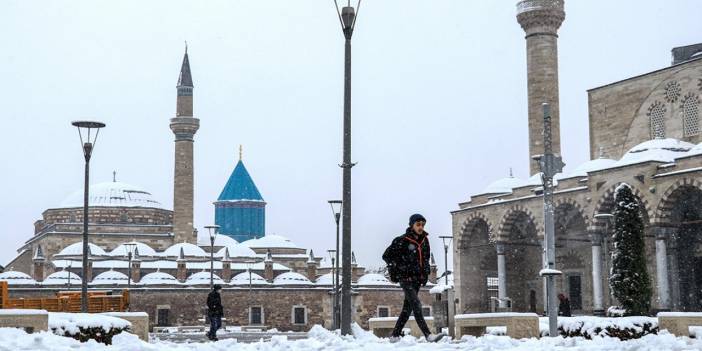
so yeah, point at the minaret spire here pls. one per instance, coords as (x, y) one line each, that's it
(241, 152)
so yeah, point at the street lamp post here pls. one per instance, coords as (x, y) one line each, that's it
(347, 19)
(336, 210)
(89, 130)
(446, 239)
(129, 247)
(335, 287)
(212, 229)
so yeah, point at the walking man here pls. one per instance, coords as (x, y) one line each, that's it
(407, 259)
(214, 311)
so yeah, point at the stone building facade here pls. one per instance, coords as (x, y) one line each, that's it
(644, 131)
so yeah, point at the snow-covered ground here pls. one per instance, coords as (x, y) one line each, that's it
(322, 339)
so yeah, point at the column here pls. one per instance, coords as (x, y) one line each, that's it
(662, 283)
(501, 275)
(597, 292)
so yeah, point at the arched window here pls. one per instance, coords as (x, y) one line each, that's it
(656, 114)
(691, 115)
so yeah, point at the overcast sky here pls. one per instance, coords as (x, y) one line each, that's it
(439, 101)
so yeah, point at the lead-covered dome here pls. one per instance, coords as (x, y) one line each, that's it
(110, 277)
(656, 150)
(62, 278)
(291, 278)
(237, 250)
(76, 249)
(503, 186)
(246, 278)
(16, 278)
(113, 194)
(374, 279)
(158, 278)
(141, 248)
(188, 250)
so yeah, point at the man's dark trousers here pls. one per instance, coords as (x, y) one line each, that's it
(215, 323)
(411, 304)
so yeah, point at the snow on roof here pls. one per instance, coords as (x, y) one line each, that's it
(325, 279)
(71, 323)
(243, 279)
(113, 194)
(16, 278)
(220, 240)
(61, 278)
(203, 278)
(589, 166)
(158, 278)
(504, 185)
(697, 150)
(188, 249)
(77, 249)
(237, 250)
(656, 150)
(162, 264)
(374, 279)
(110, 277)
(142, 249)
(259, 266)
(270, 241)
(291, 278)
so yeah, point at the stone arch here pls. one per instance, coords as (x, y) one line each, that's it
(574, 211)
(475, 262)
(573, 246)
(512, 218)
(663, 214)
(606, 204)
(473, 219)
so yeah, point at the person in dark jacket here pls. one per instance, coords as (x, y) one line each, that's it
(407, 259)
(215, 311)
(563, 306)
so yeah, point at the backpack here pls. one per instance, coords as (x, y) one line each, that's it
(391, 260)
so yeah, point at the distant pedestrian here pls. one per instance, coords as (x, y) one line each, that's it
(215, 311)
(407, 259)
(563, 306)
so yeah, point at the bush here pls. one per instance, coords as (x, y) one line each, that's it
(96, 333)
(86, 326)
(624, 328)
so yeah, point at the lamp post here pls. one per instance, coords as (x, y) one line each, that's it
(89, 130)
(607, 218)
(446, 239)
(336, 211)
(129, 247)
(347, 19)
(70, 264)
(212, 229)
(335, 287)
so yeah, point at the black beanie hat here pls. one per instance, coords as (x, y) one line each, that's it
(217, 287)
(415, 218)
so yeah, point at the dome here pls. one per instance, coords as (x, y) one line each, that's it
(142, 249)
(243, 279)
(220, 240)
(62, 278)
(504, 185)
(238, 250)
(656, 150)
(325, 279)
(374, 279)
(113, 194)
(16, 278)
(291, 278)
(76, 249)
(110, 277)
(203, 278)
(188, 250)
(270, 241)
(589, 166)
(158, 278)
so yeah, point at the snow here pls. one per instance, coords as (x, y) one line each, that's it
(439, 288)
(113, 194)
(291, 278)
(16, 278)
(188, 250)
(110, 277)
(141, 248)
(161, 264)
(270, 241)
(158, 278)
(589, 324)
(362, 340)
(656, 150)
(680, 314)
(549, 271)
(62, 278)
(237, 250)
(243, 279)
(10, 311)
(220, 240)
(203, 278)
(76, 249)
(326, 279)
(71, 322)
(504, 185)
(374, 279)
(589, 166)
(498, 315)
(697, 150)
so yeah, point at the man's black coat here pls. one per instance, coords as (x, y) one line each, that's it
(214, 304)
(408, 258)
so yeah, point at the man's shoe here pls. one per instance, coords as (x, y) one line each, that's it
(435, 337)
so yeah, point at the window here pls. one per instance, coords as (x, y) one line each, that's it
(491, 283)
(691, 115)
(299, 315)
(656, 113)
(255, 315)
(162, 316)
(426, 311)
(383, 311)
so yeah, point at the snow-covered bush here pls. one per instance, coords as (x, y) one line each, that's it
(588, 327)
(86, 326)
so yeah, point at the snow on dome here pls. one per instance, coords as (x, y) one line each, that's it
(158, 278)
(110, 277)
(113, 194)
(220, 240)
(243, 279)
(291, 278)
(237, 250)
(16, 278)
(504, 185)
(188, 250)
(589, 166)
(656, 150)
(62, 278)
(373, 279)
(535, 180)
(142, 249)
(325, 279)
(270, 241)
(203, 278)
(77, 249)
(697, 150)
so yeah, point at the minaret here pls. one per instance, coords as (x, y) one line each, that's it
(184, 126)
(541, 19)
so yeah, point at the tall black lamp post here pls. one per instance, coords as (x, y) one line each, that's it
(335, 287)
(130, 249)
(212, 229)
(446, 239)
(88, 132)
(336, 210)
